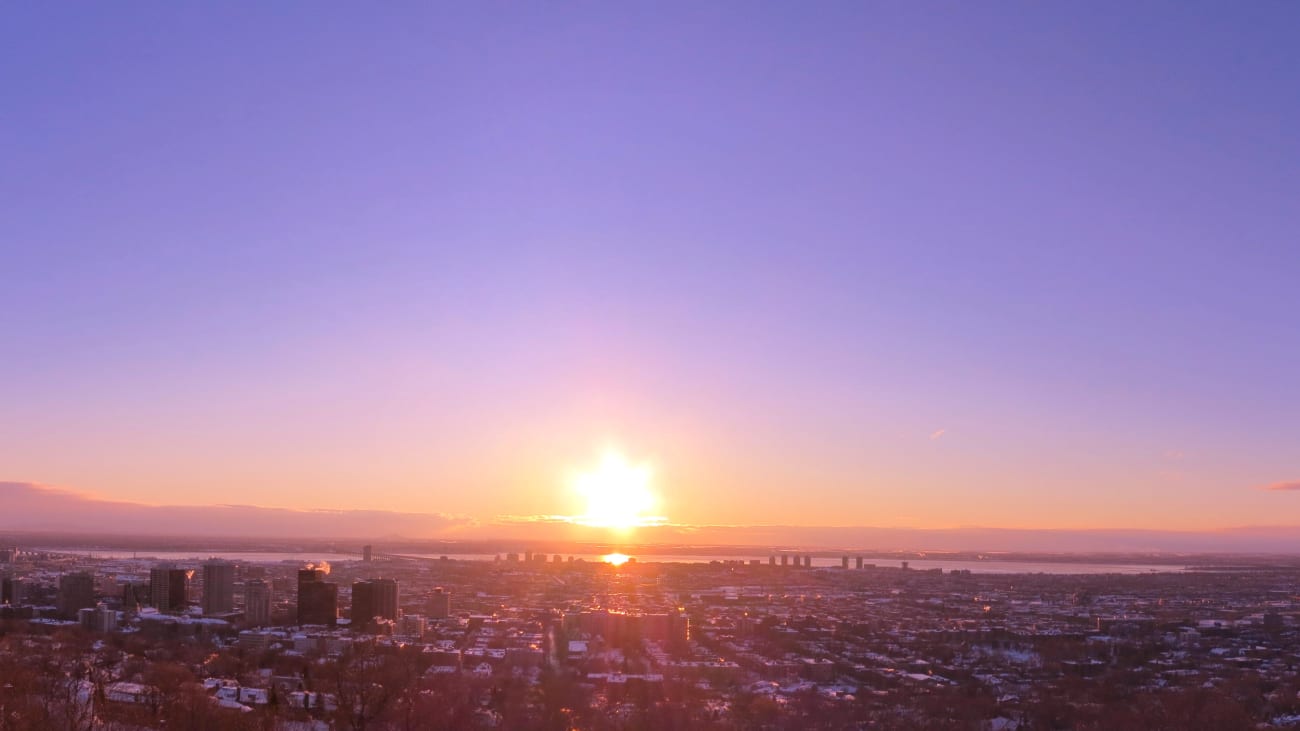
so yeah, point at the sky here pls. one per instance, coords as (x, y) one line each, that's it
(908, 265)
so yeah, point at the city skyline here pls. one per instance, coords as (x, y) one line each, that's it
(1016, 267)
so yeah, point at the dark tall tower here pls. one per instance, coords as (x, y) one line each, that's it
(12, 591)
(367, 553)
(375, 598)
(134, 596)
(169, 587)
(318, 600)
(76, 592)
(218, 587)
(257, 602)
(440, 604)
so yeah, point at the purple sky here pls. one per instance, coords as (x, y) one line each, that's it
(897, 264)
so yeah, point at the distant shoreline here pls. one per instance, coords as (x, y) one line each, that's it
(479, 550)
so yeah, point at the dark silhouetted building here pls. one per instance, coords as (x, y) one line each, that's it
(218, 587)
(134, 596)
(318, 599)
(169, 588)
(76, 592)
(257, 602)
(12, 591)
(440, 604)
(98, 618)
(367, 553)
(374, 598)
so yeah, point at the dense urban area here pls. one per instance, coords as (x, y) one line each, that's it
(545, 641)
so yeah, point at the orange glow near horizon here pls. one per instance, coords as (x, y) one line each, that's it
(617, 494)
(615, 559)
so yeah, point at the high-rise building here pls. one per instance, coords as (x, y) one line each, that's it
(98, 618)
(374, 598)
(134, 596)
(318, 603)
(859, 562)
(411, 625)
(8, 554)
(169, 587)
(257, 602)
(440, 604)
(13, 591)
(218, 587)
(318, 599)
(76, 592)
(367, 553)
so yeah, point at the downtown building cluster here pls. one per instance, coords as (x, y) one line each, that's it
(530, 641)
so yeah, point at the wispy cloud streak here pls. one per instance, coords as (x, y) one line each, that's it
(33, 507)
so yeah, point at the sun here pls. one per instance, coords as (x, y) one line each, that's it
(615, 559)
(618, 494)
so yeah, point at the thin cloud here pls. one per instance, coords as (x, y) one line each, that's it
(35, 507)
(1284, 486)
(534, 519)
(937, 434)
